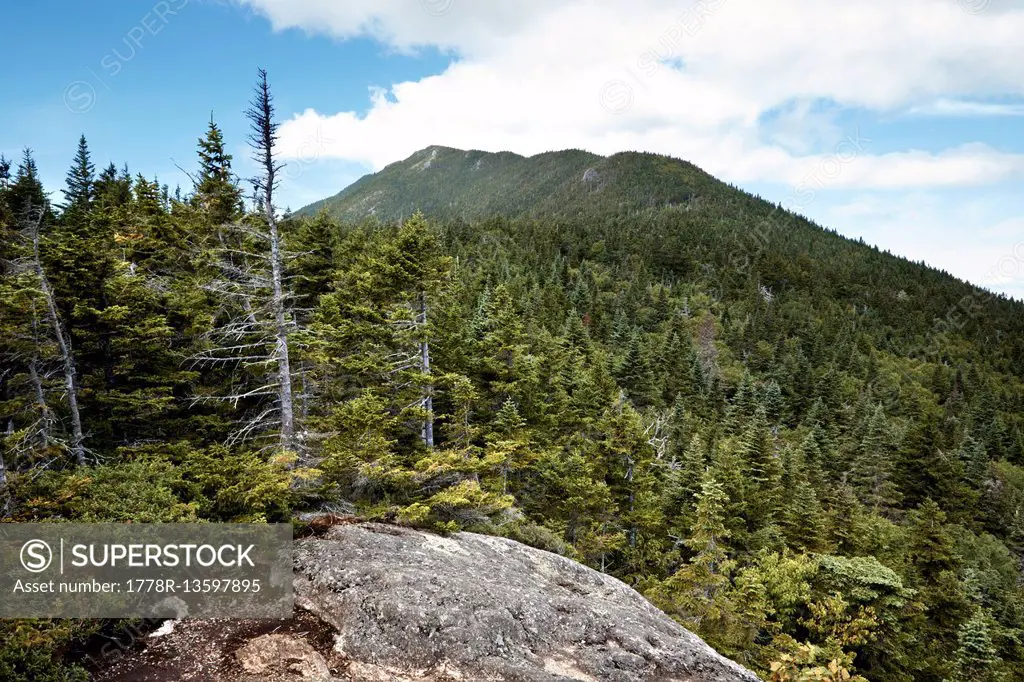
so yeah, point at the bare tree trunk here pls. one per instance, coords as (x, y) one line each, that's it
(66, 353)
(303, 394)
(262, 139)
(5, 494)
(284, 371)
(250, 314)
(428, 398)
(632, 500)
(45, 419)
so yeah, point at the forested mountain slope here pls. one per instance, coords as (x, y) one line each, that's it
(448, 184)
(809, 452)
(687, 219)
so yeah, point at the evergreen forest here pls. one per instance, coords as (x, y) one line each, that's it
(806, 450)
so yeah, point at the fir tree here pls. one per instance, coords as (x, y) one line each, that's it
(765, 475)
(695, 590)
(80, 191)
(977, 659)
(635, 374)
(773, 403)
(974, 459)
(728, 469)
(936, 564)
(507, 446)
(216, 191)
(873, 463)
(744, 403)
(682, 485)
(26, 193)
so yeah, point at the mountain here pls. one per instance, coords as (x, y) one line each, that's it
(807, 451)
(448, 183)
(697, 226)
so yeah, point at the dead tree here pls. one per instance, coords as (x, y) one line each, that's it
(33, 354)
(62, 338)
(5, 493)
(37, 372)
(263, 138)
(428, 398)
(259, 319)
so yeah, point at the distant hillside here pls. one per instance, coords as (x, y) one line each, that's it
(694, 226)
(450, 183)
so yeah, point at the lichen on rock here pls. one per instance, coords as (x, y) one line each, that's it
(489, 608)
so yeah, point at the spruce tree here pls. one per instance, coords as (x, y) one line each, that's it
(764, 471)
(872, 469)
(744, 403)
(977, 658)
(682, 485)
(802, 515)
(216, 191)
(503, 356)
(315, 242)
(844, 514)
(635, 375)
(80, 191)
(974, 457)
(728, 469)
(113, 189)
(773, 402)
(26, 193)
(626, 458)
(7, 226)
(675, 361)
(507, 448)
(932, 553)
(695, 590)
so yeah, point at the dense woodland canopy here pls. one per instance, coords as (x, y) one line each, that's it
(809, 452)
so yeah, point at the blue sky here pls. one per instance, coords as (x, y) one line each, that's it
(140, 80)
(901, 123)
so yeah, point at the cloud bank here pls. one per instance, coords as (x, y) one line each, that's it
(753, 91)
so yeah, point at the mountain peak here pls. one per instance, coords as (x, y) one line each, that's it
(449, 183)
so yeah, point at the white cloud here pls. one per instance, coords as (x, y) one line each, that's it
(406, 24)
(964, 236)
(972, 164)
(953, 107)
(547, 74)
(750, 90)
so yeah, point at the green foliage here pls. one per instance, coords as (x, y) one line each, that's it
(451, 184)
(31, 650)
(463, 505)
(138, 491)
(644, 369)
(696, 592)
(216, 192)
(243, 487)
(977, 659)
(80, 181)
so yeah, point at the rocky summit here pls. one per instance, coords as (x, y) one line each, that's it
(379, 603)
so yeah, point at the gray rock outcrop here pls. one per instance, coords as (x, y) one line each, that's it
(408, 605)
(380, 603)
